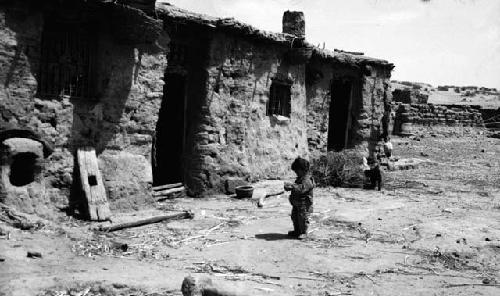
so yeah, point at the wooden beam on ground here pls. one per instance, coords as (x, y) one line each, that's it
(168, 193)
(166, 186)
(156, 219)
(92, 185)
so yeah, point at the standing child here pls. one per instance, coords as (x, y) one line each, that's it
(387, 147)
(375, 174)
(301, 198)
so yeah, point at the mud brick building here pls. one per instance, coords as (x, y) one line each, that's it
(165, 95)
(348, 101)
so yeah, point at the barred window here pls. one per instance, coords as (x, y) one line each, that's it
(279, 99)
(67, 61)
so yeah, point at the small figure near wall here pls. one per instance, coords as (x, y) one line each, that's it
(374, 174)
(301, 198)
(388, 147)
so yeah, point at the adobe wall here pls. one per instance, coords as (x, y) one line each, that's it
(236, 137)
(119, 123)
(411, 118)
(368, 97)
(409, 96)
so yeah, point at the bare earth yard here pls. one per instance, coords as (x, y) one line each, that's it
(434, 230)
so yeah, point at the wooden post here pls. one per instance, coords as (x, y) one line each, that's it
(92, 185)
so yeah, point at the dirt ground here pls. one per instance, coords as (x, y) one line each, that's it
(433, 230)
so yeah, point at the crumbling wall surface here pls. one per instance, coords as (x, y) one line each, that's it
(126, 115)
(412, 117)
(20, 33)
(119, 121)
(370, 94)
(318, 95)
(376, 101)
(237, 138)
(20, 36)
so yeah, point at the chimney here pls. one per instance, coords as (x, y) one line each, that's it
(294, 23)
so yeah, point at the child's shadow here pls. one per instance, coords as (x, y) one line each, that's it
(272, 236)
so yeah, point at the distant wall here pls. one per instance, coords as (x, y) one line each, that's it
(409, 117)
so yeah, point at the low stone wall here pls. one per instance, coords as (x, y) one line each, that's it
(411, 116)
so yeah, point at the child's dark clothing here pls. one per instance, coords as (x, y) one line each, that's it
(375, 175)
(301, 199)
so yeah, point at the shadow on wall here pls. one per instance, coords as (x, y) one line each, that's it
(18, 62)
(197, 117)
(97, 123)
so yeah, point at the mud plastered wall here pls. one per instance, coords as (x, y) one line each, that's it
(132, 84)
(20, 33)
(239, 139)
(368, 96)
(119, 122)
(319, 98)
(376, 95)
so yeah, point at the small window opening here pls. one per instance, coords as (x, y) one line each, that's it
(92, 180)
(22, 169)
(279, 99)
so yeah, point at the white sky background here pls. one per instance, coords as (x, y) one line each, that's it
(438, 42)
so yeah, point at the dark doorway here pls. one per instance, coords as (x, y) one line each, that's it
(340, 106)
(168, 146)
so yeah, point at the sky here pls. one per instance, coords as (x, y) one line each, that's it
(454, 42)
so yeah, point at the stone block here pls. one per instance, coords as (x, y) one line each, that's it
(125, 175)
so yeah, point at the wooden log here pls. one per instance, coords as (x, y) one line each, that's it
(92, 185)
(185, 215)
(167, 186)
(168, 191)
(170, 196)
(275, 194)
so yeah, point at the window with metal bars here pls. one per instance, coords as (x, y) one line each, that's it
(67, 61)
(279, 99)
